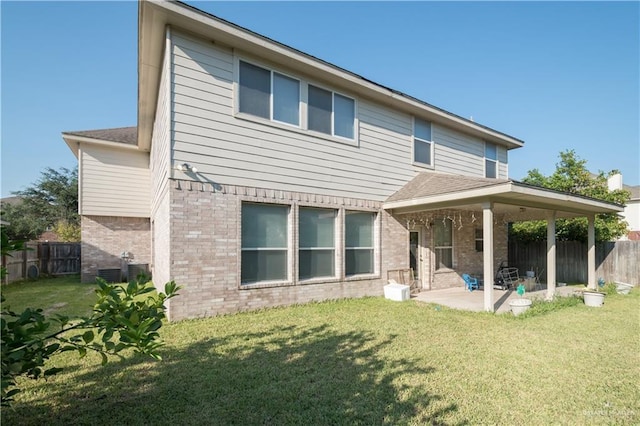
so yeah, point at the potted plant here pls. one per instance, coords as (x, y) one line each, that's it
(623, 288)
(520, 305)
(593, 296)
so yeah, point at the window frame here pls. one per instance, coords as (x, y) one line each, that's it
(336, 229)
(437, 247)
(333, 110)
(302, 128)
(271, 118)
(289, 258)
(374, 249)
(479, 239)
(415, 139)
(495, 161)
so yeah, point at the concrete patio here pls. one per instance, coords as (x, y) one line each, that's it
(460, 298)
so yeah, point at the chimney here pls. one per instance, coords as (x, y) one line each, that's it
(615, 182)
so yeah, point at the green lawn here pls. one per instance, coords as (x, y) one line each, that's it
(61, 295)
(365, 361)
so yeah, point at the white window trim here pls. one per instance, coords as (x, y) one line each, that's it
(302, 128)
(271, 119)
(290, 244)
(376, 247)
(413, 146)
(452, 247)
(333, 93)
(293, 247)
(336, 228)
(476, 239)
(496, 161)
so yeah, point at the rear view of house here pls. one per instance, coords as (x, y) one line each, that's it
(260, 176)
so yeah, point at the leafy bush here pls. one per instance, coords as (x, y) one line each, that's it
(123, 317)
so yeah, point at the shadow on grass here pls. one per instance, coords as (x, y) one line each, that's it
(292, 375)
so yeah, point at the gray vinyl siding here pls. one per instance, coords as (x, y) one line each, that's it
(239, 151)
(115, 182)
(160, 172)
(457, 153)
(160, 157)
(503, 164)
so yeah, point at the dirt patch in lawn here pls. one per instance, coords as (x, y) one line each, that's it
(54, 307)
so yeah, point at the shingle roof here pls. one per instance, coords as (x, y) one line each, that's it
(125, 135)
(634, 190)
(429, 184)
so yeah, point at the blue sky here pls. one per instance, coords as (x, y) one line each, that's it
(557, 75)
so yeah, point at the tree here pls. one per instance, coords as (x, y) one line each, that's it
(572, 176)
(123, 317)
(51, 200)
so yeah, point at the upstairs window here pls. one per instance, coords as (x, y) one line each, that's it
(490, 160)
(330, 113)
(268, 94)
(358, 228)
(422, 143)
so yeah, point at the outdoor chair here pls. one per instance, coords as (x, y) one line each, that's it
(470, 283)
(404, 276)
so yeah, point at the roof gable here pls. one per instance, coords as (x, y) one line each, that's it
(157, 17)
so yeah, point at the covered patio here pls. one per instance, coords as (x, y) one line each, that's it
(492, 201)
(460, 298)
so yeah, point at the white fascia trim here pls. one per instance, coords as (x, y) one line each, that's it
(183, 17)
(588, 203)
(504, 189)
(73, 140)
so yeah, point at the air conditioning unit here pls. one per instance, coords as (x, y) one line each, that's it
(134, 269)
(110, 275)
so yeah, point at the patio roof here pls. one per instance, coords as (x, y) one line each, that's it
(434, 191)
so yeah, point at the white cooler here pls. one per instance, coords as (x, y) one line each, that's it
(397, 292)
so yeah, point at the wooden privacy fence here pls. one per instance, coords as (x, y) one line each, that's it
(42, 258)
(615, 260)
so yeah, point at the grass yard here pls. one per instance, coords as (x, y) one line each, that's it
(364, 361)
(61, 295)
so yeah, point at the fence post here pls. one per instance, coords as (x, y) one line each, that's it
(5, 280)
(24, 262)
(43, 250)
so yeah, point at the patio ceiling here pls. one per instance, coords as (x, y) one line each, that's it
(436, 191)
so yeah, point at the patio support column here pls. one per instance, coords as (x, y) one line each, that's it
(487, 247)
(591, 252)
(551, 254)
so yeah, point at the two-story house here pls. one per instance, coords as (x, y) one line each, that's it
(259, 175)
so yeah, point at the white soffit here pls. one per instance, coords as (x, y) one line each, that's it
(510, 193)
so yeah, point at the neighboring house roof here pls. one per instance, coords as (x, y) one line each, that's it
(122, 137)
(634, 235)
(11, 200)
(155, 16)
(634, 190)
(430, 191)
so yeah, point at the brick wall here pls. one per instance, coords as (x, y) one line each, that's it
(104, 238)
(206, 249)
(465, 257)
